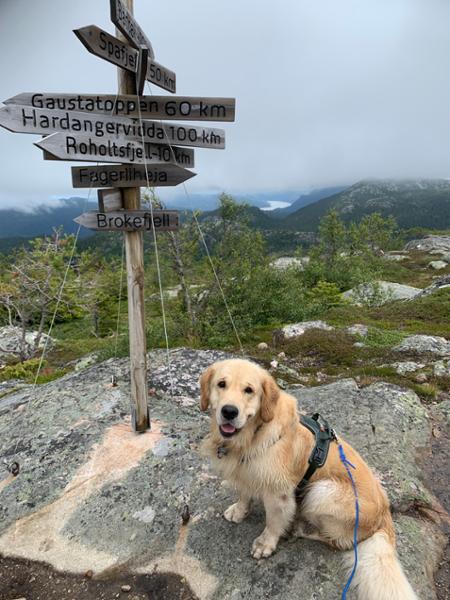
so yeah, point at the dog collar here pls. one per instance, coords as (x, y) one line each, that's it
(324, 435)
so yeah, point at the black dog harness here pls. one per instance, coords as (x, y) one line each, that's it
(324, 435)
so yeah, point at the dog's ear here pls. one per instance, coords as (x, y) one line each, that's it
(271, 393)
(205, 384)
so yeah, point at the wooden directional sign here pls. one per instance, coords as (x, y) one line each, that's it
(25, 119)
(109, 199)
(120, 150)
(125, 176)
(119, 53)
(130, 220)
(125, 22)
(184, 108)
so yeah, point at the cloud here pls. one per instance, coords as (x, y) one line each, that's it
(327, 92)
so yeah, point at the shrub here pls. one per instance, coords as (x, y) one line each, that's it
(23, 370)
(325, 347)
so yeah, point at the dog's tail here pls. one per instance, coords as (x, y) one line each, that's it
(379, 575)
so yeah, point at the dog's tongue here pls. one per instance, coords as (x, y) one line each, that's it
(228, 428)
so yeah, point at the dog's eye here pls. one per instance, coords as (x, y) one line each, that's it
(248, 390)
(221, 384)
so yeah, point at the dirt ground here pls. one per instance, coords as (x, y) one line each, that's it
(28, 580)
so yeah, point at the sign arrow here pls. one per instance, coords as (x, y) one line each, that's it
(178, 108)
(119, 150)
(125, 176)
(106, 46)
(25, 119)
(130, 220)
(126, 23)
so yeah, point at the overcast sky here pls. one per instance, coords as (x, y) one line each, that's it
(327, 91)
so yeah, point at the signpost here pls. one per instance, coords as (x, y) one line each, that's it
(109, 200)
(122, 176)
(116, 129)
(123, 19)
(106, 46)
(135, 220)
(179, 108)
(25, 119)
(83, 147)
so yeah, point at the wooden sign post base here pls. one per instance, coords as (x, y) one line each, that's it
(134, 252)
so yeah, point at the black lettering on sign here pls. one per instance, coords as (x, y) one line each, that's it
(158, 107)
(124, 20)
(128, 175)
(101, 220)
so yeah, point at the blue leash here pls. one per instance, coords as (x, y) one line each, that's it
(347, 464)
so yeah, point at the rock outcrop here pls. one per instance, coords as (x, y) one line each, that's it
(92, 495)
(294, 330)
(440, 283)
(424, 344)
(11, 343)
(379, 292)
(437, 265)
(434, 244)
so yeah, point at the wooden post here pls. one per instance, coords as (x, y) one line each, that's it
(134, 252)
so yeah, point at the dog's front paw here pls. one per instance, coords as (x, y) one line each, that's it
(264, 545)
(236, 513)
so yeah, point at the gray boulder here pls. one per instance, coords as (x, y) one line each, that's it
(444, 410)
(394, 257)
(424, 344)
(403, 368)
(435, 244)
(10, 342)
(358, 329)
(380, 292)
(437, 265)
(441, 368)
(92, 495)
(289, 332)
(440, 283)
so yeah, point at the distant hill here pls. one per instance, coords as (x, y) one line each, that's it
(306, 199)
(43, 218)
(257, 218)
(27, 224)
(414, 203)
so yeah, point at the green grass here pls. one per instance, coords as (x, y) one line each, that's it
(382, 338)
(429, 315)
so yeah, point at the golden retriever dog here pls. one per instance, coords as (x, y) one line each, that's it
(259, 446)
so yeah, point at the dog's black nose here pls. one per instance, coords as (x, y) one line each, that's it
(229, 412)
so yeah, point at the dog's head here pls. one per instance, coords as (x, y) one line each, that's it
(238, 391)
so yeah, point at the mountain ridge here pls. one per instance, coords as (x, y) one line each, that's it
(413, 203)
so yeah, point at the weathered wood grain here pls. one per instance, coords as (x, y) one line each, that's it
(141, 70)
(130, 220)
(119, 53)
(109, 200)
(123, 176)
(76, 147)
(178, 108)
(134, 255)
(126, 23)
(25, 119)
